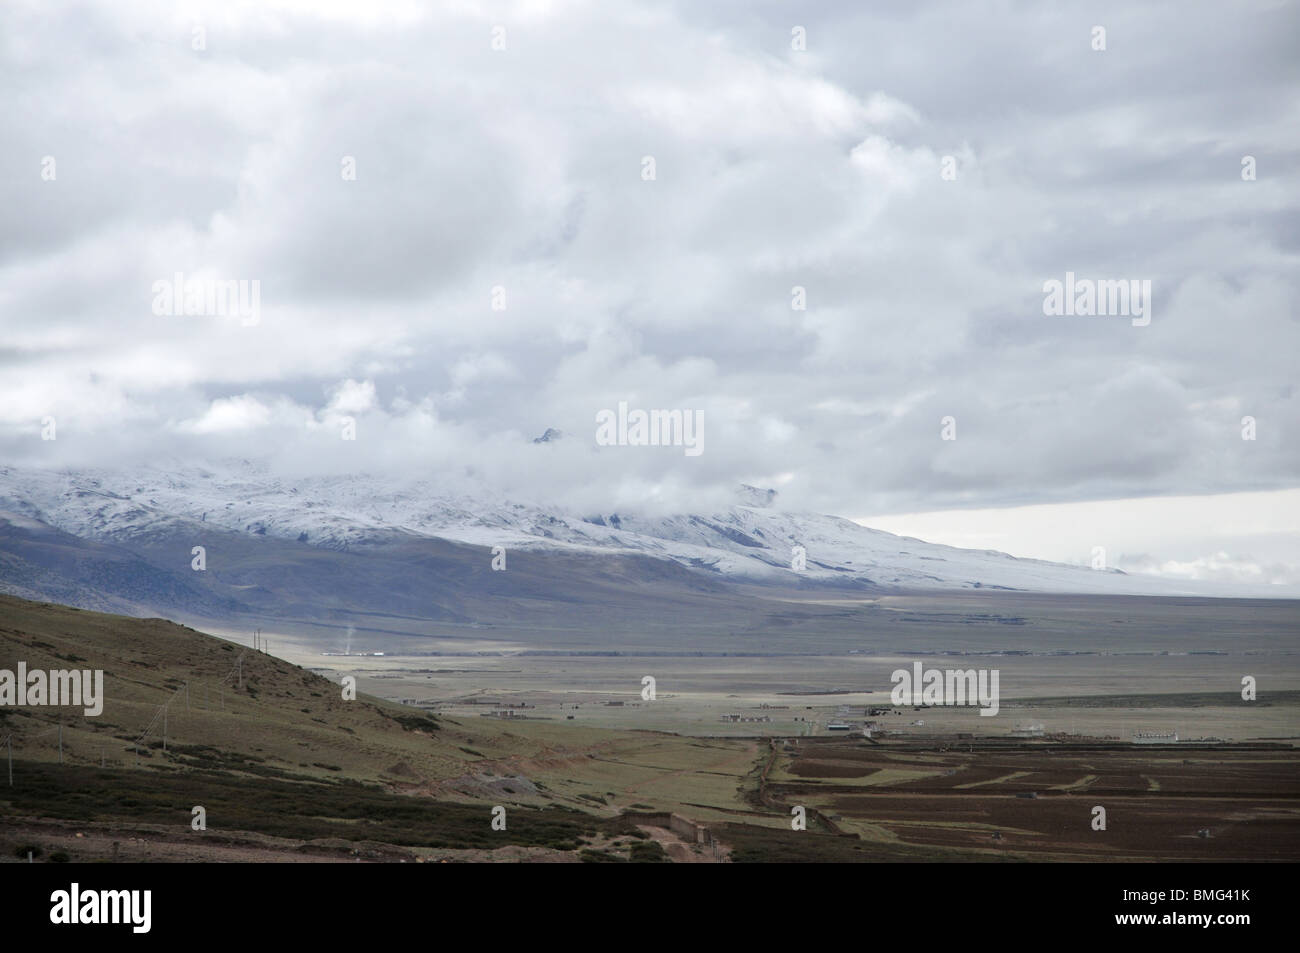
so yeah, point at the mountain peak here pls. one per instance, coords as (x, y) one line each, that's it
(747, 495)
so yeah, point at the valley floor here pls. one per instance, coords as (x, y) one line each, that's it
(287, 768)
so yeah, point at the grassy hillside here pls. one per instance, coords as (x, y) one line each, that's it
(287, 769)
(242, 710)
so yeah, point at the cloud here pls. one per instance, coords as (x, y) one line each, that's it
(1218, 567)
(352, 397)
(522, 169)
(229, 413)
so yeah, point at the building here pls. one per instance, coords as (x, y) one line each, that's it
(1031, 730)
(1154, 737)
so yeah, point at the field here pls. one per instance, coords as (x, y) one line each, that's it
(1037, 800)
(587, 769)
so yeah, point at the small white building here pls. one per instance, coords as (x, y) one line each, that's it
(1032, 730)
(1155, 737)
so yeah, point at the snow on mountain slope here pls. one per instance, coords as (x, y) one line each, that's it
(744, 542)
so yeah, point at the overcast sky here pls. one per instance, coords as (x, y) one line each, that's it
(214, 140)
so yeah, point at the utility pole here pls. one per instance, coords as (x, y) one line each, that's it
(187, 696)
(9, 743)
(164, 729)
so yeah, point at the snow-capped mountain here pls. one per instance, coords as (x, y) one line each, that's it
(752, 541)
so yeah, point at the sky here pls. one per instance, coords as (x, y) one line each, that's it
(1247, 538)
(828, 229)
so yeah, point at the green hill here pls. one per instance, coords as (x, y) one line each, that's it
(273, 753)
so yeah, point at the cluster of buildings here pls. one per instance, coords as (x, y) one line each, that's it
(1154, 737)
(1032, 730)
(501, 709)
(847, 719)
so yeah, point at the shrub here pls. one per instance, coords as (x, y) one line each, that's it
(648, 852)
(590, 856)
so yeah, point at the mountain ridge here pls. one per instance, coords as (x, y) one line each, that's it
(753, 542)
